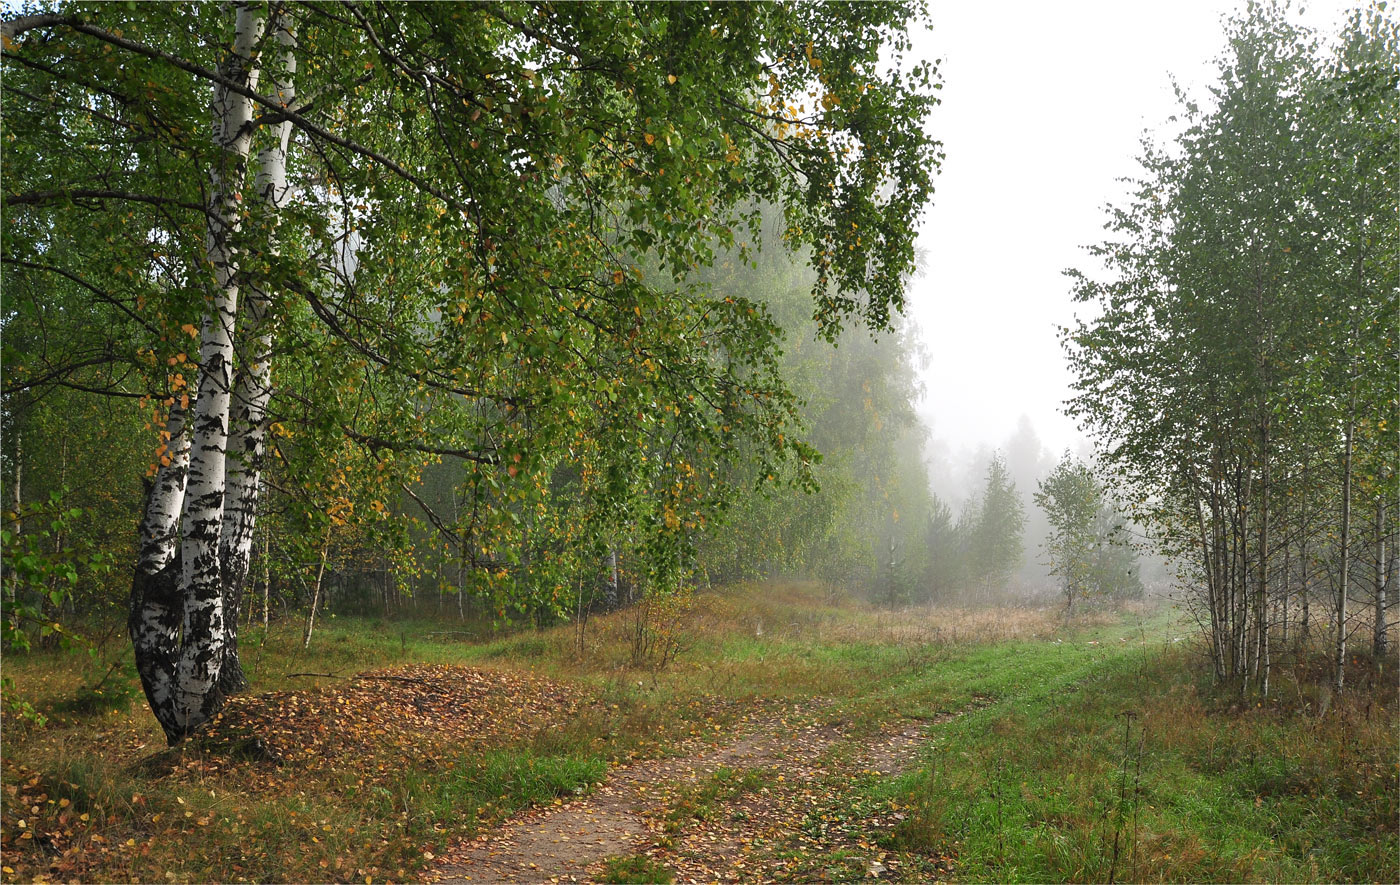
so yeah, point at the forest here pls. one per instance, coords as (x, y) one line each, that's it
(487, 442)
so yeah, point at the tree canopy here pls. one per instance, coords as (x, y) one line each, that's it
(439, 231)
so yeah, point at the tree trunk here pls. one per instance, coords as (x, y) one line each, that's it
(316, 591)
(10, 590)
(248, 439)
(461, 588)
(1340, 636)
(178, 624)
(267, 579)
(1261, 597)
(1287, 573)
(17, 524)
(1378, 632)
(614, 589)
(153, 620)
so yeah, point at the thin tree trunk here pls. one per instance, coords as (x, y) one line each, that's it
(1261, 601)
(1305, 618)
(17, 524)
(580, 613)
(461, 588)
(316, 590)
(614, 592)
(1287, 576)
(1305, 568)
(1340, 635)
(1378, 633)
(267, 577)
(11, 588)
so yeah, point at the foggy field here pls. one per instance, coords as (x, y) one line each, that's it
(1014, 746)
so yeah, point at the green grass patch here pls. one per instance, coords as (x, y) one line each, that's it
(635, 869)
(468, 792)
(1121, 768)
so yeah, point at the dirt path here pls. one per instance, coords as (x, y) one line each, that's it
(775, 778)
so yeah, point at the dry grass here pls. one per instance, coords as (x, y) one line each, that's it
(800, 611)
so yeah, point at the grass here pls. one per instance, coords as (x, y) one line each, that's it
(1035, 782)
(1129, 770)
(635, 869)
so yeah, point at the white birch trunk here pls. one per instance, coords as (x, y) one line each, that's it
(203, 624)
(316, 590)
(160, 525)
(247, 441)
(1339, 638)
(153, 622)
(614, 584)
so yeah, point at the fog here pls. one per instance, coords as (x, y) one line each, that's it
(1043, 109)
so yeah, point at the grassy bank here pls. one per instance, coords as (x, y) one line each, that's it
(1077, 738)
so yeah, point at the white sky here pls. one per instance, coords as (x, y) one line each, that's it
(1043, 107)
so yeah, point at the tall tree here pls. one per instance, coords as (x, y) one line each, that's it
(421, 229)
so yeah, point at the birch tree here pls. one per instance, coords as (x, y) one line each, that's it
(444, 232)
(1247, 317)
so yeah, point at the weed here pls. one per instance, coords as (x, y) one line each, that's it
(1121, 811)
